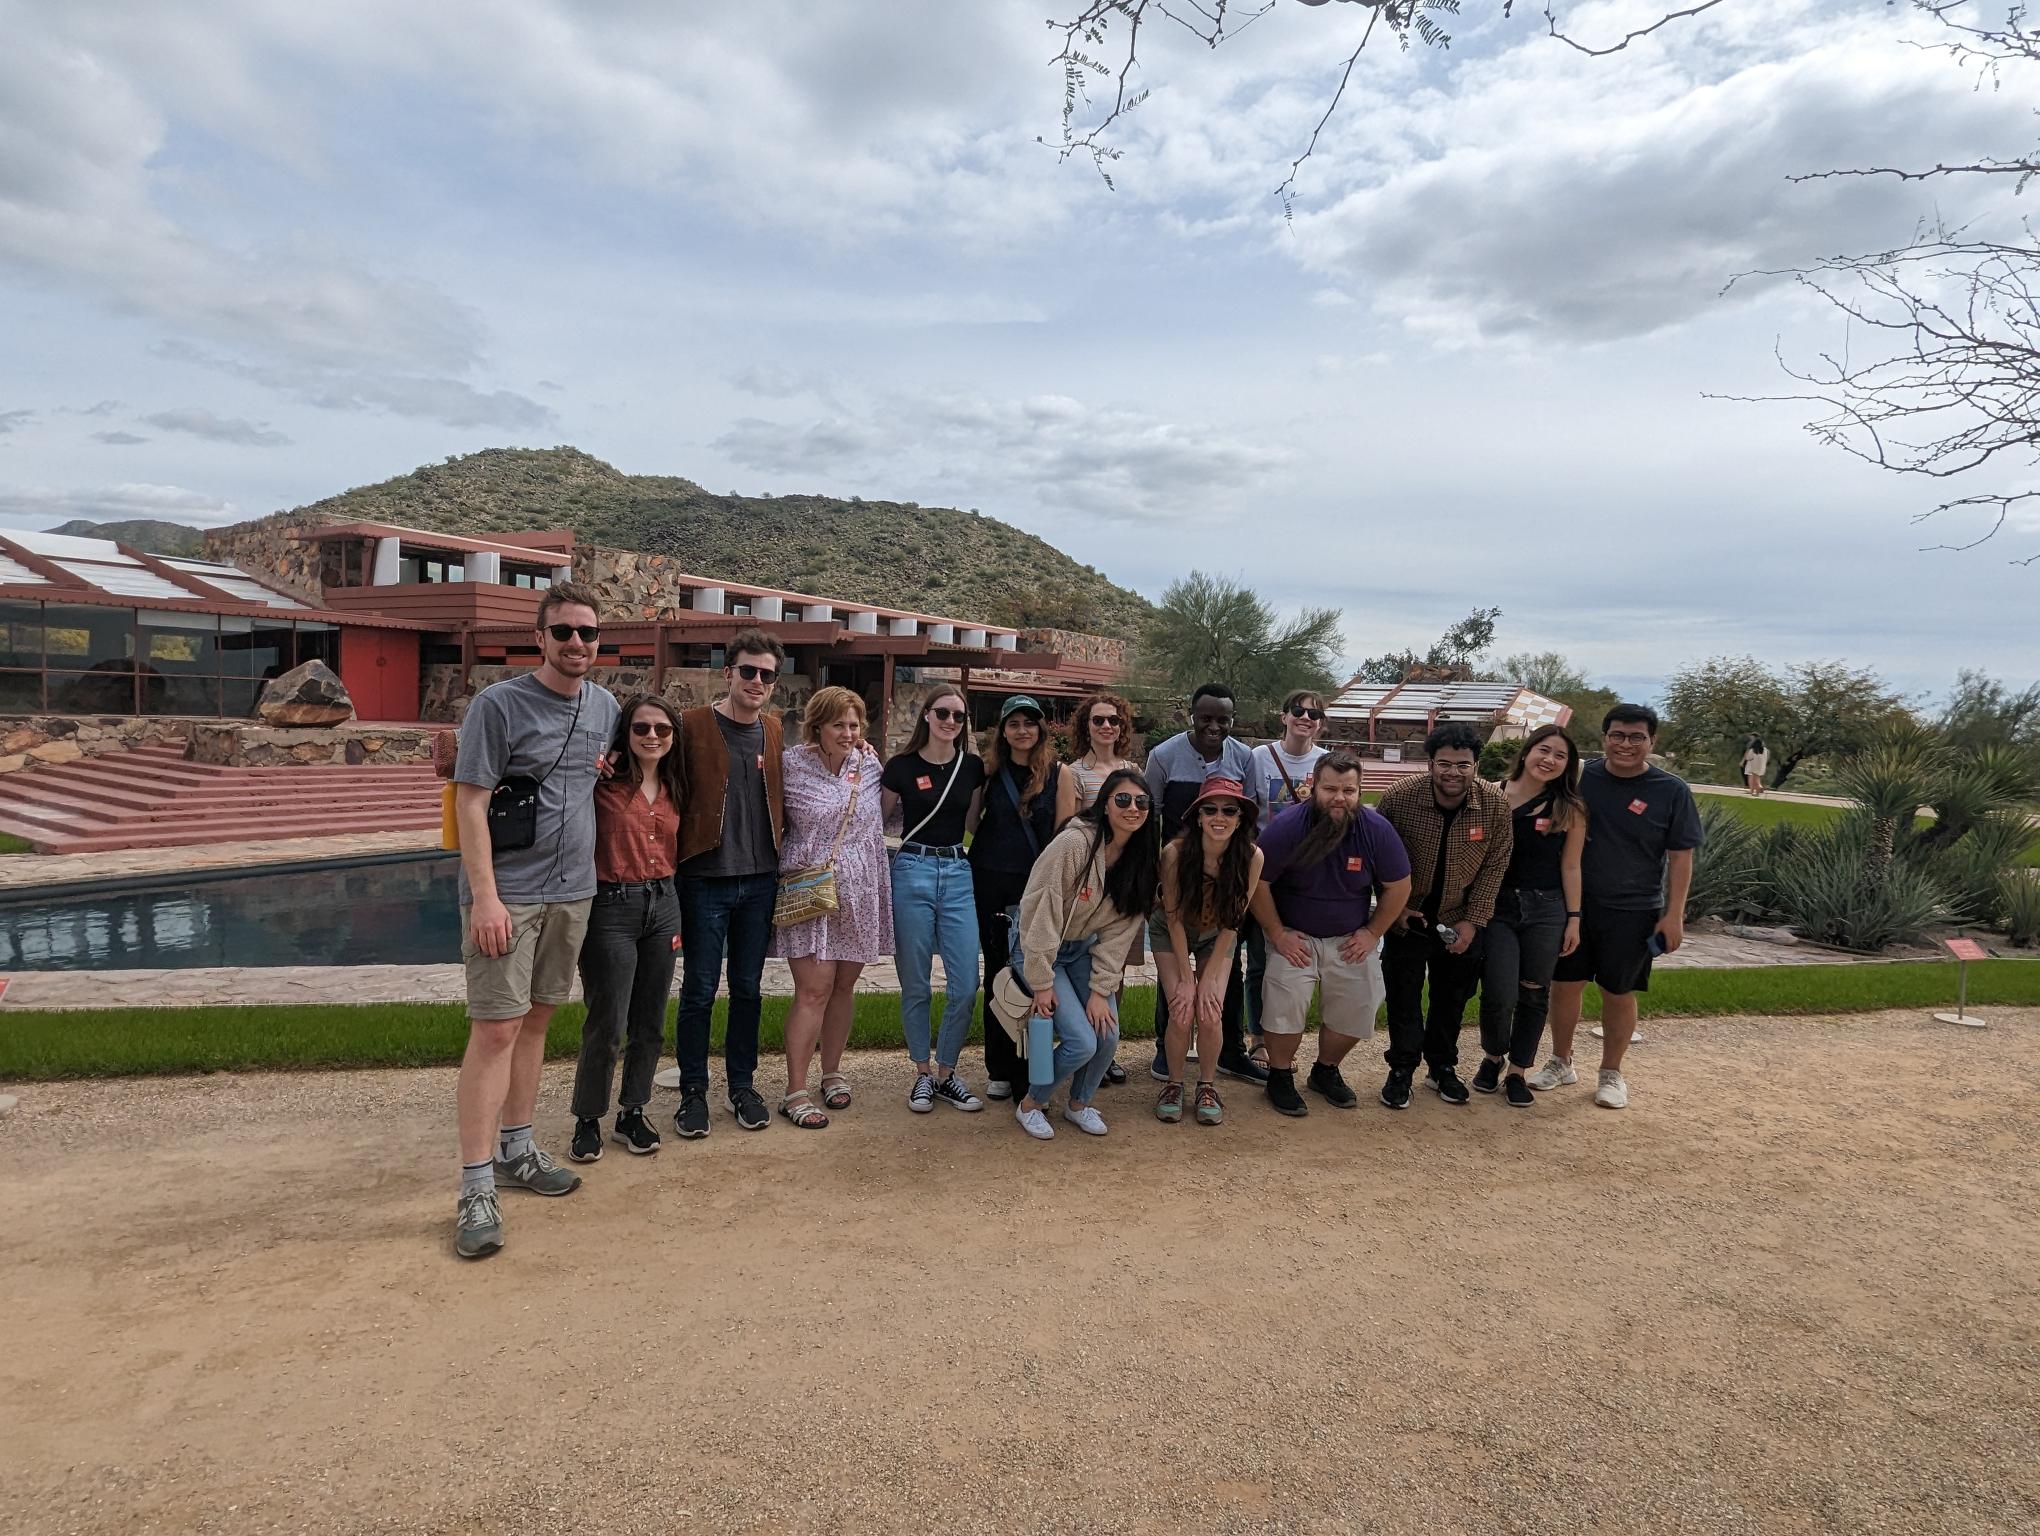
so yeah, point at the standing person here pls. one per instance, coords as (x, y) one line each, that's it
(1286, 766)
(1100, 732)
(1537, 910)
(628, 960)
(1015, 822)
(1176, 771)
(1208, 874)
(730, 830)
(1456, 829)
(1085, 900)
(833, 818)
(1756, 759)
(1334, 878)
(527, 876)
(1642, 829)
(937, 783)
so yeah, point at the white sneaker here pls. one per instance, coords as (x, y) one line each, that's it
(1087, 1120)
(1613, 1092)
(998, 1088)
(1034, 1123)
(1555, 1073)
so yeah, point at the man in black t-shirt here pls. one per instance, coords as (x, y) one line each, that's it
(1642, 828)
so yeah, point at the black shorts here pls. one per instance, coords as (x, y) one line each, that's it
(1614, 950)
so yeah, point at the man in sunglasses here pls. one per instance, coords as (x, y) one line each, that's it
(526, 884)
(1286, 767)
(730, 830)
(1176, 771)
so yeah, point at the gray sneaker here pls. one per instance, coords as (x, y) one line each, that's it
(537, 1172)
(1555, 1073)
(478, 1226)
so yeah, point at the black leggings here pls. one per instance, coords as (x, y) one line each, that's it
(996, 890)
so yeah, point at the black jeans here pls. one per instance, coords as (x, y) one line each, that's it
(1233, 1045)
(626, 976)
(723, 915)
(1417, 1034)
(1515, 986)
(994, 891)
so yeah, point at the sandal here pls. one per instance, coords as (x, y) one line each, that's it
(800, 1108)
(835, 1090)
(1259, 1056)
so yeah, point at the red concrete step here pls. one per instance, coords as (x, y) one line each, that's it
(109, 802)
(229, 830)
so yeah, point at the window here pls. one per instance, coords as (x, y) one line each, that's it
(534, 581)
(430, 569)
(108, 689)
(79, 638)
(318, 642)
(21, 693)
(345, 563)
(254, 648)
(21, 634)
(180, 644)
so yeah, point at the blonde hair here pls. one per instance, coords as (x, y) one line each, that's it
(827, 706)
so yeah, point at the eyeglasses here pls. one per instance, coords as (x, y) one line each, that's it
(945, 714)
(566, 632)
(751, 674)
(1229, 812)
(1626, 738)
(1127, 800)
(650, 728)
(1307, 714)
(1099, 722)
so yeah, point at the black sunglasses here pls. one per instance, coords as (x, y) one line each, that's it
(1098, 720)
(650, 728)
(1308, 714)
(1214, 808)
(941, 712)
(1127, 799)
(566, 632)
(751, 674)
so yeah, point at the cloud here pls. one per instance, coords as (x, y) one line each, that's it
(451, 401)
(97, 408)
(118, 439)
(38, 507)
(195, 421)
(14, 421)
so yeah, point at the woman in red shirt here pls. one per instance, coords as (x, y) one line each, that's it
(633, 927)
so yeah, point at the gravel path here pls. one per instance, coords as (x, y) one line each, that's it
(1793, 1290)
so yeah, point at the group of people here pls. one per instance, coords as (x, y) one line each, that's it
(613, 839)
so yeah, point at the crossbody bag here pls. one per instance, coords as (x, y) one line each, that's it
(805, 894)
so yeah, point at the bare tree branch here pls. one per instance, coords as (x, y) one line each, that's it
(1551, 20)
(1288, 187)
(1982, 168)
(2003, 502)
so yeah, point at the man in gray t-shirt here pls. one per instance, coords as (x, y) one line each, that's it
(524, 910)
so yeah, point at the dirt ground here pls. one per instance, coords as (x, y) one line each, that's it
(1793, 1289)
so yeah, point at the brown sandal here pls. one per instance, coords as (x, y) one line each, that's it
(800, 1108)
(835, 1090)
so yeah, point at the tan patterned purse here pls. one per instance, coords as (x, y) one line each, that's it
(806, 894)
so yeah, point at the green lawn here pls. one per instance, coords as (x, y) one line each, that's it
(42, 1046)
(9, 844)
(1769, 813)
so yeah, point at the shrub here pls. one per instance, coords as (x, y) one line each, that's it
(1835, 888)
(1729, 869)
(1499, 756)
(2019, 897)
(1972, 870)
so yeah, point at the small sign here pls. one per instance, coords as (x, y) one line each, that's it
(1476, 834)
(1638, 807)
(924, 783)
(1353, 865)
(1961, 949)
(4, 980)
(676, 943)
(1543, 824)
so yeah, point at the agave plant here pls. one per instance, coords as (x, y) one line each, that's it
(1729, 870)
(2019, 894)
(1828, 891)
(1964, 792)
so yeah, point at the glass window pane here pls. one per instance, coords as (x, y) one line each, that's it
(318, 642)
(170, 694)
(20, 634)
(110, 690)
(256, 648)
(180, 644)
(79, 638)
(20, 693)
(238, 696)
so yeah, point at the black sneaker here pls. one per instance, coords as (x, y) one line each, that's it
(1158, 1069)
(634, 1133)
(1328, 1084)
(1445, 1082)
(1395, 1093)
(1518, 1091)
(587, 1144)
(749, 1107)
(1246, 1069)
(1489, 1077)
(1115, 1075)
(1283, 1095)
(690, 1120)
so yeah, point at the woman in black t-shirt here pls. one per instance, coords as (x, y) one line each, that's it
(1537, 912)
(936, 783)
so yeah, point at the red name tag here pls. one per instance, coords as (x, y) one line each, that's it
(1084, 894)
(1476, 834)
(761, 762)
(1638, 807)
(676, 941)
(1542, 824)
(1353, 866)
(924, 782)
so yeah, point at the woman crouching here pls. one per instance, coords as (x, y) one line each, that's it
(1085, 900)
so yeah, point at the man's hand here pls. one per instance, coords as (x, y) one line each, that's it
(1099, 1011)
(1673, 926)
(489, 922)
(1358, 945)
(1571, 941)
(1044, 1003)
(1464, 942)
(1291, 946)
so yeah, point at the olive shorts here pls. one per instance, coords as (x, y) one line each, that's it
(545, 943)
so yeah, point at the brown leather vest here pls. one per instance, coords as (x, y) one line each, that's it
(707, 764)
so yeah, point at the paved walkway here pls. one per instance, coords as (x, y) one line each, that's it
(18, 870)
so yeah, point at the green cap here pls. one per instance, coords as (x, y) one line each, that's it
(1020, 701)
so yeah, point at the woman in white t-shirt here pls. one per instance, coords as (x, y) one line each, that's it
(1755, 760)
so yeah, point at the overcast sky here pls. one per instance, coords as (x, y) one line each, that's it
(253, 252)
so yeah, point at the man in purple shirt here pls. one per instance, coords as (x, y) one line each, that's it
(1334, 878)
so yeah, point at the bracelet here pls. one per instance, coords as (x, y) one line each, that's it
(1572, 914)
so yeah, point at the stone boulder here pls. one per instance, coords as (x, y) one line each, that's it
(306, 695)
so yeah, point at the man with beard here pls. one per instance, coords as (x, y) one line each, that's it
(1334, 878)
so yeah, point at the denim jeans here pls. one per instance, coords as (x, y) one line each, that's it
(934, 912)
(1426, 1030)
(626, 975)
(1515, 987)
(723, 915)
(1080, 1053)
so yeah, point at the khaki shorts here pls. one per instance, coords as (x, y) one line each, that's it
(545, 942)
(1352, 993)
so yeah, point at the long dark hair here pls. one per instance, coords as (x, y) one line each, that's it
(672, 767)
(998, 754)
(1566, 804)
(920, 738)
(1229, 888)
(1133, 881)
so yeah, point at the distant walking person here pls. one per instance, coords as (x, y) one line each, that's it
(1456, 830)
(1756, 759)
(833, 818)
(730, 830)
(937, 783)
(531, 751)
(628, 960)
(1537, 910)
(1016, 821)
(1636, 870)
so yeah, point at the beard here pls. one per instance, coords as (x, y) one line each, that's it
(1327, 830)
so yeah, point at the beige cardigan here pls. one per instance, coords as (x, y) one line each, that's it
(1065, 900)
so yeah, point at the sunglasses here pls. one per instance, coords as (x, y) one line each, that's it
(1127, 800)
(945, 714)
(566, 632)
(1308, 714)
(649, 728)
(751, 674)
(1100, 721)
(1230, 812)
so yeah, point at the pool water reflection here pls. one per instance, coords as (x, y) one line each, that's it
(383, 913)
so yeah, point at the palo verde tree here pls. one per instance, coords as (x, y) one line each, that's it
(1814, 709)
(1215, 629)
(1457, 652)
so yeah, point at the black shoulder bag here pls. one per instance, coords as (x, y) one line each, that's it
(513, 803)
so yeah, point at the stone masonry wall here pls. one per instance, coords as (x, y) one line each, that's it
(28, 740)
(268, 746)
(266, 549)
(1096, 650)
